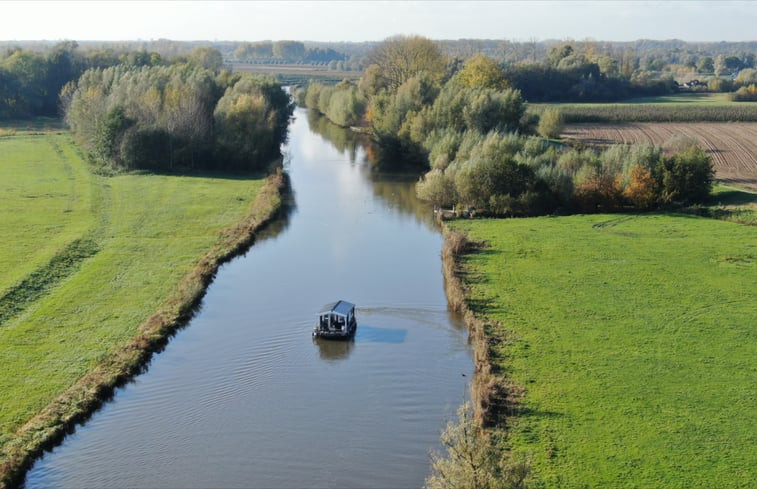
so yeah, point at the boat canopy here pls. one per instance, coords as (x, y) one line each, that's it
(342, 308)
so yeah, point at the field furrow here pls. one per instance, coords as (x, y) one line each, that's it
(732, 145)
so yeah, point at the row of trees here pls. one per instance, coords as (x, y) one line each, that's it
(182, 116)
(464, 124)
(507, 174)
(31, 81)
(291, 51)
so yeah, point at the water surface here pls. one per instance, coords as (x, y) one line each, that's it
(244, 397)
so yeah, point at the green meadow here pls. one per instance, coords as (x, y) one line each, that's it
(634, 339)
(86, 259)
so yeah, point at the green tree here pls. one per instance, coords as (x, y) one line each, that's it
(205, 57)
(248, 51)
(551, 123)
(558, 52)
(108, 142)
(289, 50)
(480, 71)
(250, 121)
(401, 58)
(705, 65)
(687, 177)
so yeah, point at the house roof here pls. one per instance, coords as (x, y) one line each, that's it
(338, 307)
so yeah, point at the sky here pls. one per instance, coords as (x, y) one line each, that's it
(376, 20)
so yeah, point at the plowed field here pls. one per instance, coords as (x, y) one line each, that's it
(732, 145)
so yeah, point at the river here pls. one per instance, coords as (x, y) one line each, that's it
(244, 397)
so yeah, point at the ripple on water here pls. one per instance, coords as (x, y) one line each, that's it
(244, 397)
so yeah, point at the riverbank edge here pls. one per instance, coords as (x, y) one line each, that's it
(493, 395)
(83, 398)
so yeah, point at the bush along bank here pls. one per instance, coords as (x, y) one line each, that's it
(466, 128)
(476, 458)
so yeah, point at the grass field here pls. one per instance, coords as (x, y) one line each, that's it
(682, 107)
(635, 341)
(732, 146)
(290, 74)
(89, 259)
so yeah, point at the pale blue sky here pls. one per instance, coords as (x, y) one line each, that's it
(368, 21)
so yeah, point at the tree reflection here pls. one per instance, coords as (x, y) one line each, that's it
(396, 189)
(344, 140)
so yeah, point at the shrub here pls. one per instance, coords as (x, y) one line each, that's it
(551, 123)
(473, 460)
(687, 177)
(598, 193)
(312, 94)
(745, 94)
(642, 189)
(437, 188)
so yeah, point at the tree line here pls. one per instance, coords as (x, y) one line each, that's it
(467, 126)
(182, 116)
(140, 110)
(290, 51)
(31, 80)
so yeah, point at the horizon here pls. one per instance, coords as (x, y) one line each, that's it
(618, 21)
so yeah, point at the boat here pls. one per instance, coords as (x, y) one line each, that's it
(336, 320)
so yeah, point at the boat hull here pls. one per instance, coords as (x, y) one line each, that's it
(335, 335)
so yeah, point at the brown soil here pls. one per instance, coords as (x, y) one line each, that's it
(732, 145)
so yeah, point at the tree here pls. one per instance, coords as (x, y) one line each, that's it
(747, 76)
(401, 58)
(705, 65)
(551, 123)
(482, 72)
(642, 189)
(247, 51)
(599, 192)
(205, 57)
(108, 142)
(687, 176)
(250, 121)
(289, 50)
(557, 53)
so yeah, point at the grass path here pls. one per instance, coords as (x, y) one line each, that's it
(147, 240)
(635, 339)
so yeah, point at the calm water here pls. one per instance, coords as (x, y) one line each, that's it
(243, 397)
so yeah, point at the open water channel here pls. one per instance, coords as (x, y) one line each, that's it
(244, 397)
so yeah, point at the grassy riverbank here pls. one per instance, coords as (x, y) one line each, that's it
(97, 271)
(630, 341)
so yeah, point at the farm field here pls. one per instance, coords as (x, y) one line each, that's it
(680, 107)
(86, 259)
(732, 146)
(634, 340)
(293, 73)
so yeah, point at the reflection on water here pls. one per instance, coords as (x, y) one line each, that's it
(243, 397)
(334, 349)
(396, 190)
(344, 140)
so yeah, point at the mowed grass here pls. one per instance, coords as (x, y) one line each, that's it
(147, 231)
(635, 340)
(46, 203)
